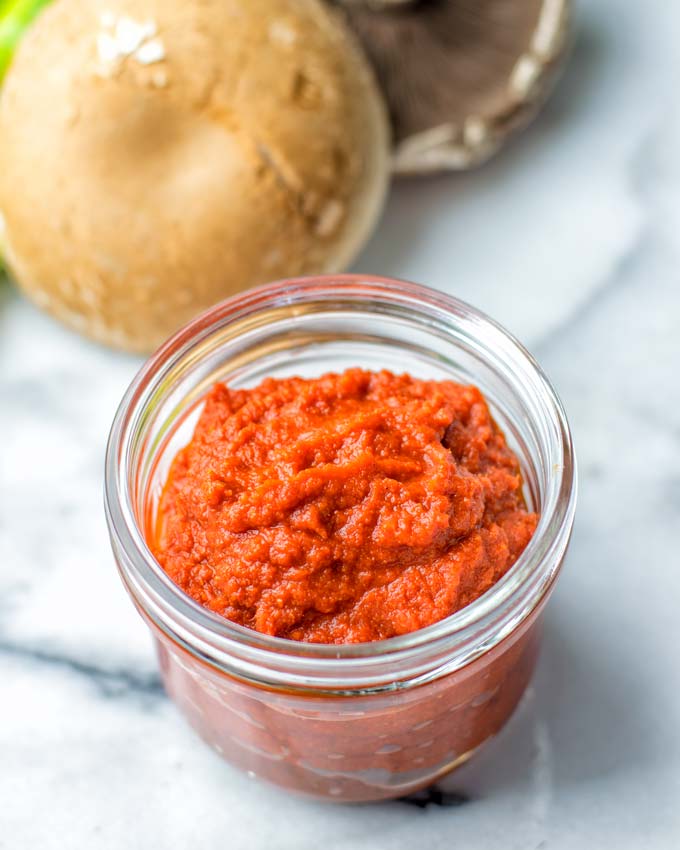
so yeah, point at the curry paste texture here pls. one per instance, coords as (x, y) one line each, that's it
(346, 508)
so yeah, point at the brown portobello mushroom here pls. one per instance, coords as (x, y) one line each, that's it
(160, 155)
(459, 75)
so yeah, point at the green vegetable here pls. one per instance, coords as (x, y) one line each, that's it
(15, 18)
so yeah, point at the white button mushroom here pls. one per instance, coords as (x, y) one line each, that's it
(159, 155)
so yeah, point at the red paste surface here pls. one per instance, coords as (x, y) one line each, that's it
(347, 508)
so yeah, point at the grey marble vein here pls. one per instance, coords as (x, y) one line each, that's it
(110, 682)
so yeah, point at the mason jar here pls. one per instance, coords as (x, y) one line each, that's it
(352, 722)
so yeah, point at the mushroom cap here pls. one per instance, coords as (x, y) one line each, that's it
(460, 75)
(160, 155)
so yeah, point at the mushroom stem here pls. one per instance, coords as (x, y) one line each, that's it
(15, 18)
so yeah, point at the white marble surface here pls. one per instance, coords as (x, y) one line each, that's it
(571, 238)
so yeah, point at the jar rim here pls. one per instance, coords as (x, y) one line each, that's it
(216, 639)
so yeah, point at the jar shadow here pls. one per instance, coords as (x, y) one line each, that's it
(582, 718)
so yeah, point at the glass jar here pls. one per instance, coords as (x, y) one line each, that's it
(363, 721)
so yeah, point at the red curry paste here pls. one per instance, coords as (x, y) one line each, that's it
(351, 507)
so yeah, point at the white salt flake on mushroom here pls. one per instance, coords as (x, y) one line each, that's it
(122, 37)
(150, 52)
(130, 34)
(107, 48)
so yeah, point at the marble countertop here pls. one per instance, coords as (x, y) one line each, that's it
(572, 239)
